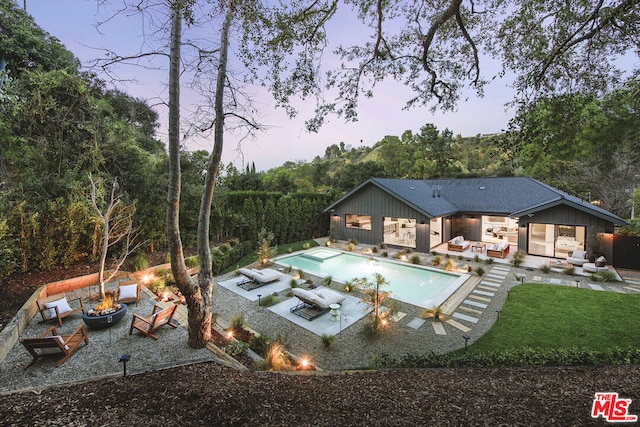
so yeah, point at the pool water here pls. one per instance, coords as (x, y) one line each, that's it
(413, 284)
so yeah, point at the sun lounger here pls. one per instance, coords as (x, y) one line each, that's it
(257, 278)
(315, 302)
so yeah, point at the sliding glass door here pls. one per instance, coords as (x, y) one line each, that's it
(555, 240)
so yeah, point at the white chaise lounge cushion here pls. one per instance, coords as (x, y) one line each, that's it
(262, 276)
(322, 297)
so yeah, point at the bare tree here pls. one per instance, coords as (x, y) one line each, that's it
(116, 220)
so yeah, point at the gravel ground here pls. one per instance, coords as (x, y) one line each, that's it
(100, 358)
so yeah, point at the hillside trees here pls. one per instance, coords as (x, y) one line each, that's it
(57, 126)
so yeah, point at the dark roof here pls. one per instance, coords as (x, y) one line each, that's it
(513, 196)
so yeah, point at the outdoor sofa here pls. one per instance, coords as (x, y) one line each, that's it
(498, 250)
(458, 244)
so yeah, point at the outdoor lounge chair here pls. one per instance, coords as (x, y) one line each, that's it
(256, 278)
(578, 258)
(315, 302)
(55, 344)
(159, 317)
(56, 307)
(128, 292)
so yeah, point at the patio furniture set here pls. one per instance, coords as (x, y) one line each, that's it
(495, 250)
(55, 308)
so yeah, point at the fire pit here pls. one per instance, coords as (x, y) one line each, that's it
(105, 314)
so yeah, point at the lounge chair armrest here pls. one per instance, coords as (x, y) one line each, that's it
(144, 319)
(50, 330)
(79, 331)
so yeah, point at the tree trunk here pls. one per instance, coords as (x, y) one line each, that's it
(196, 305)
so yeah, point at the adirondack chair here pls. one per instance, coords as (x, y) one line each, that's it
(159, 317)
(55, 344)
(56, 307)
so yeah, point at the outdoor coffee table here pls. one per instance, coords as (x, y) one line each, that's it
(479, 246)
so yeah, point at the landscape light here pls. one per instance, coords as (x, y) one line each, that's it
(466, 340)
(124, 359)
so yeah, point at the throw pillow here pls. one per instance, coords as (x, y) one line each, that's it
(128, 291)
(62, 304)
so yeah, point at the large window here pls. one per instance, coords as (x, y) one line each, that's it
(400, 231)
(358, 221)
(555, 240)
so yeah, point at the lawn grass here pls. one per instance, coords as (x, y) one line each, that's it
(553, 317)
(282, 249)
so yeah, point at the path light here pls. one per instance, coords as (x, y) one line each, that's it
(577, 283)
(466, 339)
(259, 296)
(304, 363)
(229, 334)
(124, 359)
(508, 293)
(498, 311)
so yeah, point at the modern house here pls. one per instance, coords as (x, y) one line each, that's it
(423, 214)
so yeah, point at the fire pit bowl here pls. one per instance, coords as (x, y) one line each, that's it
(106, 320)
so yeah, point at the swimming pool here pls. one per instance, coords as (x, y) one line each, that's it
(408, 283)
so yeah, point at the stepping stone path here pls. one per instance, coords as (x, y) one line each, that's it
(471, 309)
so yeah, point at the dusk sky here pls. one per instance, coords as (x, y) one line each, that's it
(73, 23)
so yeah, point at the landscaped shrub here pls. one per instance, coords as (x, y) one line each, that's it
(326, 281)
(489, 261)
(306, 246)
(293, 283)
(436, 261)
(269, 300)
(415, 259)
(327, 340)
(479, 271)
(351, 247)
(276, 358)
(350, 286)
(511, 358)
(545, 268)
(192, 261)
(140, 263)
(450, 265)
(605, 276)
(235, 348)
(518, 258)
(374, 250)
(260, 344)
(476, 258)
(569, 271)
(434, 313)
(237, 323)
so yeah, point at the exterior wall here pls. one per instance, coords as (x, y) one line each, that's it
(372, 201)
(566, 215)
